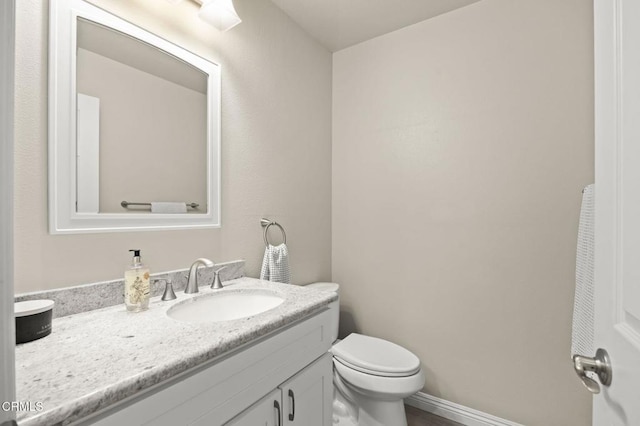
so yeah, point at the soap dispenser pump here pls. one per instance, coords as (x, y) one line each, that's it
(136, 285)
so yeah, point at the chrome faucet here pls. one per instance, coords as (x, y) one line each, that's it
(192, 281)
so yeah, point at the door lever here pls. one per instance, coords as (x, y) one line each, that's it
(600, 365)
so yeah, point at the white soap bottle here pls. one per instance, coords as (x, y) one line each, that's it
(136, 285)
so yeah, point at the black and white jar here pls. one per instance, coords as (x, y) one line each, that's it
(33, 319)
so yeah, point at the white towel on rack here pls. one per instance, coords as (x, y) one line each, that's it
(583, 305)
(275, 264)
(162, 207)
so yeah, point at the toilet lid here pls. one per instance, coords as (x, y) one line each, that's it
(375, 356)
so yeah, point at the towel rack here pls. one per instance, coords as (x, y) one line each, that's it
(266, 223)
(126, 204)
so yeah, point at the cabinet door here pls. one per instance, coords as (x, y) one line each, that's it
(266, 412)
(307, 398)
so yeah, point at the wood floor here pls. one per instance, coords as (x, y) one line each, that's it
(417, 417)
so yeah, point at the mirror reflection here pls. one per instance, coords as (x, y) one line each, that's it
(141, 125)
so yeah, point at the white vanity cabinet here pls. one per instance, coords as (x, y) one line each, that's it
(240, 387)
(307, 398)
(266, 412)
(304, 400)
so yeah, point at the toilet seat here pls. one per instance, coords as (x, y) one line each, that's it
(373, 356)
(379, 387)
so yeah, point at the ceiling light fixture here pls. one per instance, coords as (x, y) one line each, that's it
(219, 13)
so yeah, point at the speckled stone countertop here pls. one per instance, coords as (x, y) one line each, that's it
(94, 359)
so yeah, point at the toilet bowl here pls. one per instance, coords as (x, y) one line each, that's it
(371, 376)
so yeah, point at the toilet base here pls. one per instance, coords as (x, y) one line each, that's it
(382, 413)
(345, 411)
(377, 413)
(353, 409)
(341, 415)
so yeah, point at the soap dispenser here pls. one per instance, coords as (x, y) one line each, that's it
(136, 285)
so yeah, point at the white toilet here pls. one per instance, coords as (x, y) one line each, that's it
(371, 376)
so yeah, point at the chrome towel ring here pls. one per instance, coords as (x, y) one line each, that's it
(266, 223)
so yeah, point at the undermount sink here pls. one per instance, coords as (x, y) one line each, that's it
(224, 306)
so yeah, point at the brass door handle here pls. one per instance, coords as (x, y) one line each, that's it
(600, 365)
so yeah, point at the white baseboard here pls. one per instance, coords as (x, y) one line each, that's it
(456, 412)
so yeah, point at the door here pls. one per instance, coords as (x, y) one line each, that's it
(7, 336)
(266, 412)
(307, 397)
(617, 195)
(88, 154)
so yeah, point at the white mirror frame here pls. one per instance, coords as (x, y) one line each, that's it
(63, 218)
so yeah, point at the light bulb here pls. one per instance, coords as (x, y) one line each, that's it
(219, 13)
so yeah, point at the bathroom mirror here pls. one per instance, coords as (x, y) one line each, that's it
(133, 122)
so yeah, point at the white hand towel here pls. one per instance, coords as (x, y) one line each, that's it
(583, 305)
(161, 207)
(275, 264)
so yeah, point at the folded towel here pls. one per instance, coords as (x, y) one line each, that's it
(583, 305)
(275, 264)
(157, 207)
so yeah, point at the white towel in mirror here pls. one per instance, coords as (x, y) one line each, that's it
(162, 207)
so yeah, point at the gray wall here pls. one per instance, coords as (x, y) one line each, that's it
(460, 148)
(276, 149)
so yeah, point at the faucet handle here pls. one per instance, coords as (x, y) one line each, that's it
(217, 284)
(168, 294)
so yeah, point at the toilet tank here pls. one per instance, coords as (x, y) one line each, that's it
(334, 307)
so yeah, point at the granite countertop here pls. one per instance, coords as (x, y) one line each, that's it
(94, 359)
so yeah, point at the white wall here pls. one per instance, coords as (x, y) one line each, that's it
(276, 149)
(460, 148)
